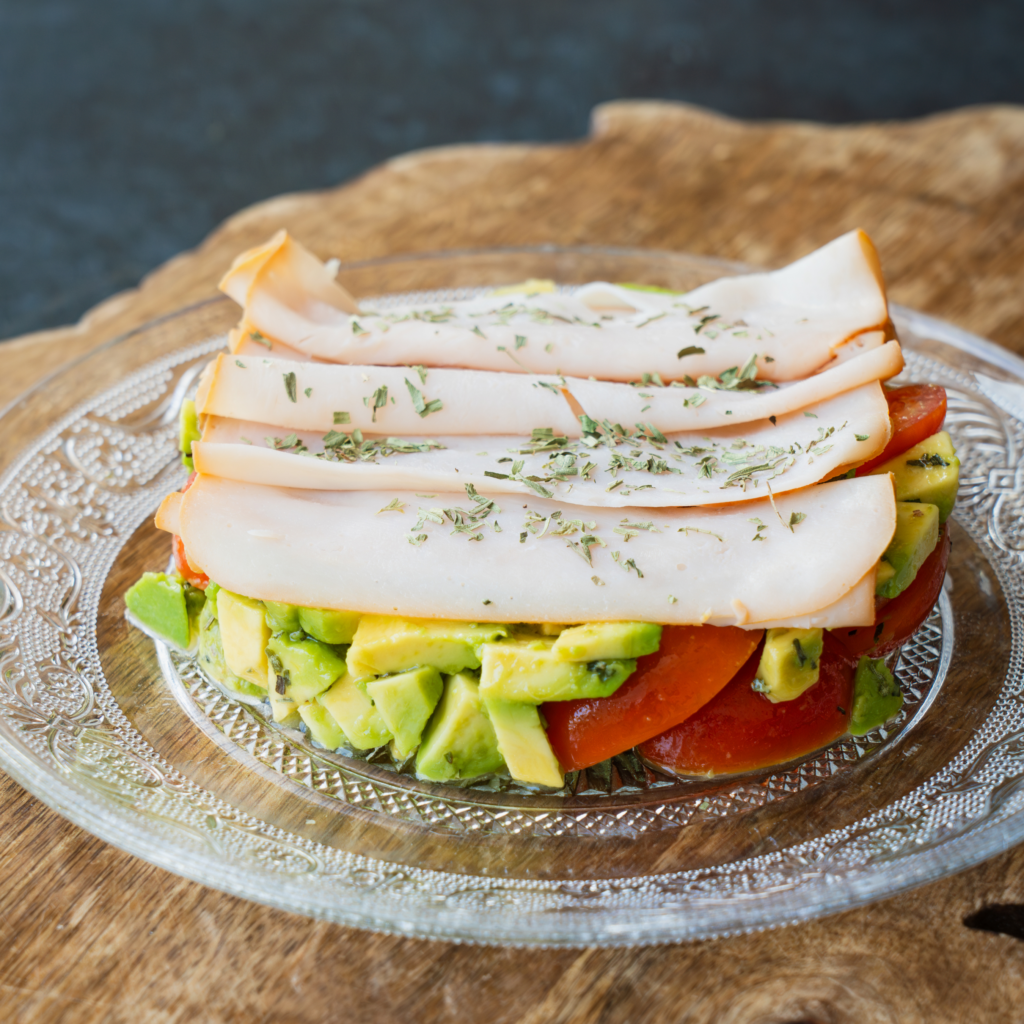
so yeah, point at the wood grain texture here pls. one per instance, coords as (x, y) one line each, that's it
(90, 934)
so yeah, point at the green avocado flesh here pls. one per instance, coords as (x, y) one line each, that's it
(211, 650)
(188, 431)
(929, 472)
(598, 641)
(301, 668)
(523, 743)
(876, 696)
(405, 702)
(320, 724)
(790, 663)
(244, 634)
(530, 671)
(459, 742)
(385, 643)
(329, 626)
(917, 533)
(159, 602)
(361, 722)
(281, 618)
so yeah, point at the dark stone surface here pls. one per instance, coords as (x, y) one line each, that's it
(130, 128)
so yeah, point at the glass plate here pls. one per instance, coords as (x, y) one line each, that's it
(127, 740)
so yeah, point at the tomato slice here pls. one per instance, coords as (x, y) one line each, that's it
(691, 666)
(916, 412)
(740, 730)
(897, 620)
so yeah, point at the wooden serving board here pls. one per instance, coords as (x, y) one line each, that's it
(93, 935)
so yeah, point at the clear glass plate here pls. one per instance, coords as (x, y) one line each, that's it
(127, 740)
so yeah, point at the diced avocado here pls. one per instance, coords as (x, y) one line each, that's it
(321, 726)
(405, 702)
(530, 671)
(188, 431)
(928, 472)
(596, 641)
(281, 617)
(284, 709)
(301, 668)
(211, 651)
(355, 713)
(386, 643)
(524, 744)
(459, 742)
(158, 602)
(876, 696)
(551, 628)
(244, 634)
(790, 663)
(917, 533)
(332, 627)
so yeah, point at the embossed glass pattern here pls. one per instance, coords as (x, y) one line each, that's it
(131, 742)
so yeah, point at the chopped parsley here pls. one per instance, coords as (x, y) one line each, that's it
(290, 385)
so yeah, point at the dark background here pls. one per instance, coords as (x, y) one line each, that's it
(130, 128)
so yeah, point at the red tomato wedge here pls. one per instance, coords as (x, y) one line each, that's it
(691, 666)
(916, 412)
(740, 730)
(897, 620)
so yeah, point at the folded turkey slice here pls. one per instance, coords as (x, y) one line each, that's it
(730, 464)
(809, 559)
(398, 400)
(795, 320)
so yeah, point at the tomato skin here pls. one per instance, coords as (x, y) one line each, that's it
(692, 664)
(740, 730)
(897, 620)
(915, 412)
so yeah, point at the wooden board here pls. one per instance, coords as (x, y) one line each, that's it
(91, 934)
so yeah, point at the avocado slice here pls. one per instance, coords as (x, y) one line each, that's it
(302, 668)
(387, 643)
(244, 634)
(530, 671)
(459, 742)
(876, 696)
(790, 663)
(320, 724)
(598, 641)
(917, 533)
(188, 431)
(158, 601)
(524, 744)
(928, 472)
(355, 713)
(211, 650)
(328, 625)
(405, 703)
(281, 617)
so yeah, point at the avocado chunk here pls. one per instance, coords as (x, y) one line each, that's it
(790, 663)
(524, 744)
(405, 703)
(928, 472)
(281, 617)
(211, 650)
(320, 724)
(598, 641)
(530, 671)
(355, 713)
(188, 431)
(917, 533)
(158, 602)
(283, 709)
(328, 625)
(876, 696)
(459, 742)
(244, 634)
(387, 643)
(302, 668)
